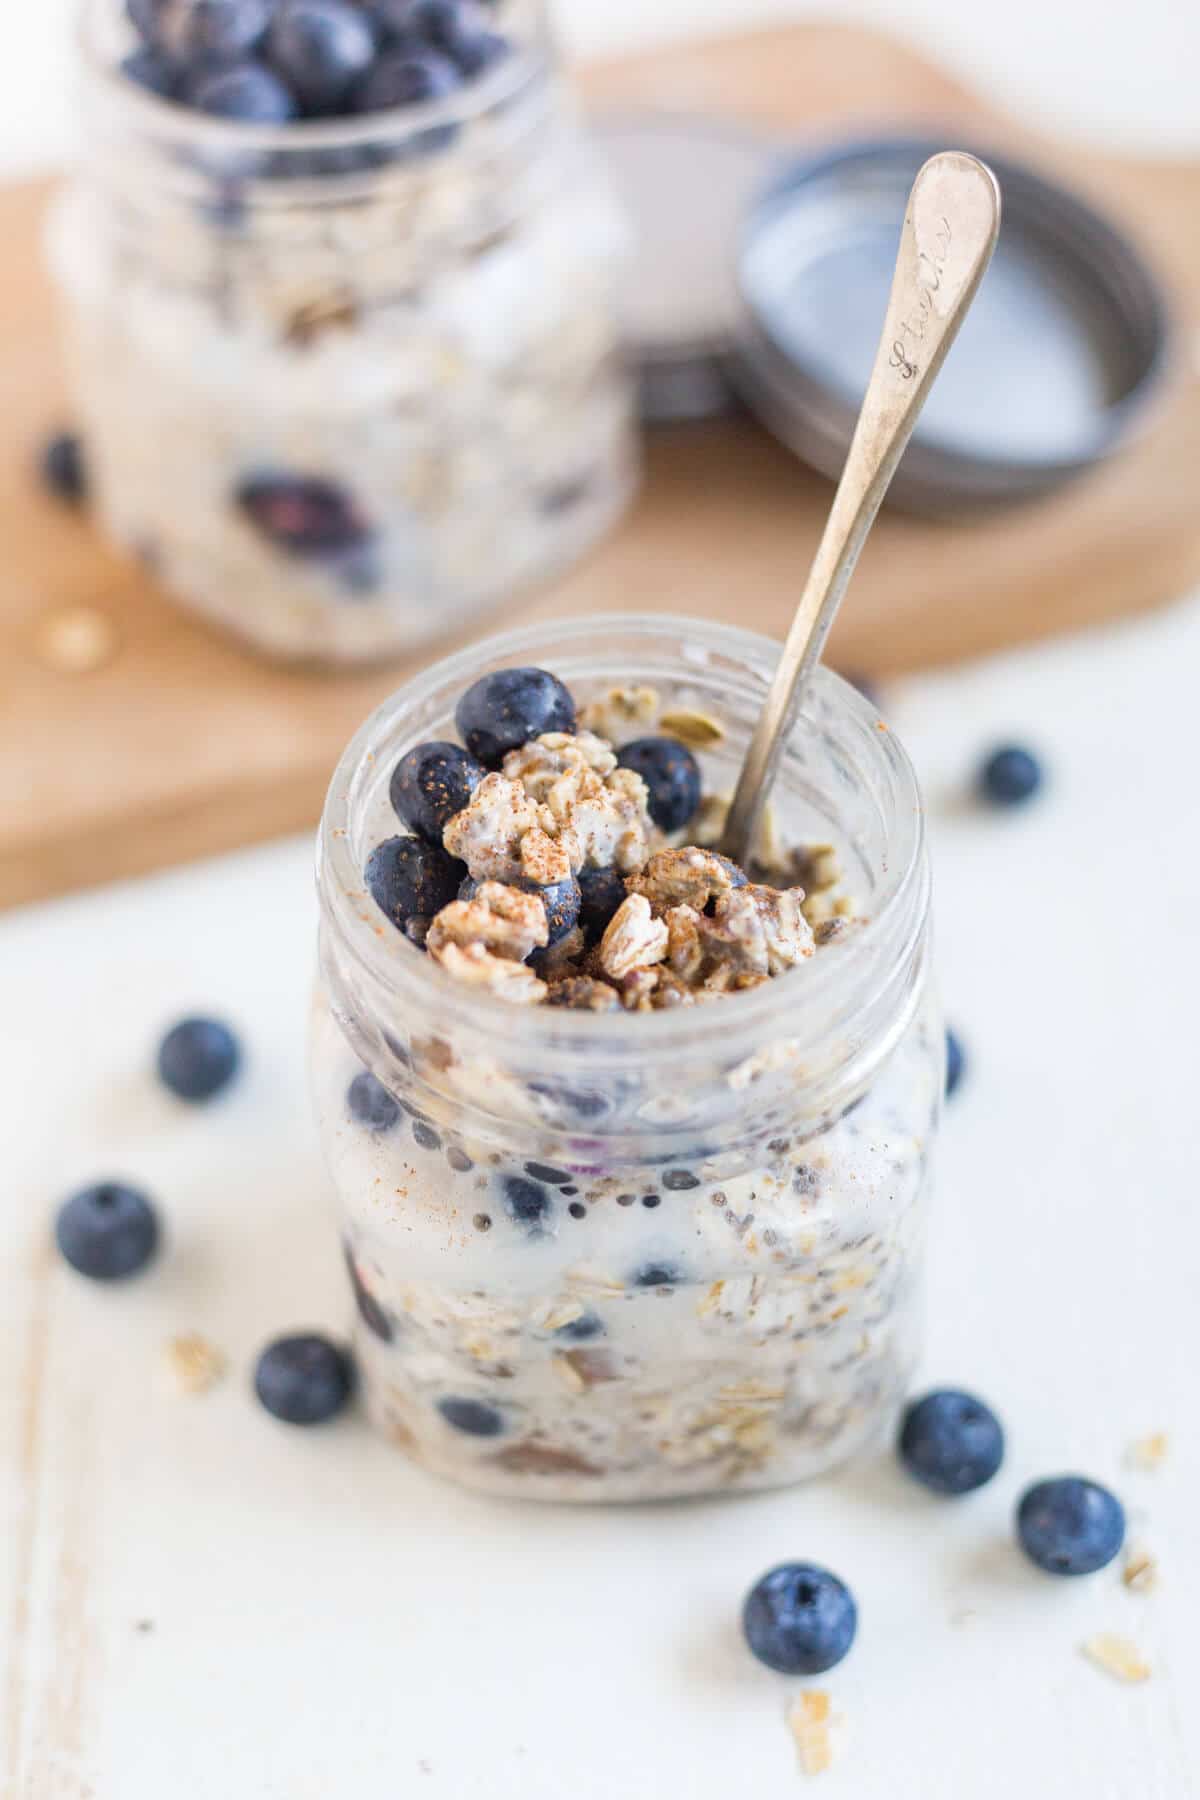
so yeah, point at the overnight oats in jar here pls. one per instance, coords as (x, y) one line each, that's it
(338, 288)
(630, 1147)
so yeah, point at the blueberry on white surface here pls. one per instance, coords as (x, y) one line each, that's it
(107, 1231)
(303, 1379)
(1069, 1525)
(197, 1058)
(951, 1442)
(799, 1619)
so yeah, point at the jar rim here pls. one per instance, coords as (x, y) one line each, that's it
(179, 127)
(400, 977)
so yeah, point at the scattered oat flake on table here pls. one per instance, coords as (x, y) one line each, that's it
(1116, 1656)
(811, 1723)
(1148, 1453)
(1140, 1571)
(77, 640)
(194, 1363)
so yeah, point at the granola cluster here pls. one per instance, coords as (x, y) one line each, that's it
(690, 927)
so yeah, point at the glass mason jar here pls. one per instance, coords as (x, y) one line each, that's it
(346, 384)
(726, 1291)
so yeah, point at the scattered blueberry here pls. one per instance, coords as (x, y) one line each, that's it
(1010, 776)
(408, 77)
(371, 1104)
(432, 783)
(654, 1275)
(562, 901)
(411, 879)
(244, 92)
(951, 1442)
(672, 777)
(107, 1231)
(320, 48)
(527, 1202)
(474, 1417)
(601, 891)
(152, 71)
(955, 1063)
(799, 1619)
(303, 514)
(581, 1330)
(503, 710)
(369, 1309)
(304, 1379)
(197, 1058)
(194, 30)
(1070, 1526)
(63, 469)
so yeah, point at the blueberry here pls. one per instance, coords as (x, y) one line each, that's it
(320, 48)
(369, 1309)
(192, 30)
(581, 1330)
(432, 783)
(654, 1275)
(951, 1442)
(303, 515)
(678, 1181)
(457, 27)
(672, 777)
(425, 1135)
(527, 1202)
(799, 1619)
(475, 53)
(63, 469)
(1010, 776)
(474, 1417)
(144, 16)
(503, 710)
(1070, 1526)
(304, 1379)
(107, 1231)
(245, 92)
(562, 901)
(197, 1058)
(411, 879)
(407, 77)
(151, 70)
(371, 1104)
(955, 1063)
(601, 891)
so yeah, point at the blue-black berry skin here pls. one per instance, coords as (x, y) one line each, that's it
(144, 15)
(799, 1619)
(1010, 776)
(951, 1442)
(475, 1417)
(371, 1104)
(108, 1231)
(503, 710)
(657, 1275)
(527, 1203)
(410, 879)
(431, 783)
(303, 515)
(246, 93)
(370, 1312)
(956, 1063)
(63, 468)
(320, 48)
(151, 70)
(1069, 1525)
(672, 777)
(562, 900)
(601, 891)
(197, 1058)
(304, 1379)
(206, 30)
(408, 77)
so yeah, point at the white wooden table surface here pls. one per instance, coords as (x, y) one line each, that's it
(199, 1604)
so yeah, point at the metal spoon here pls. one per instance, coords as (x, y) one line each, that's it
(950, 228)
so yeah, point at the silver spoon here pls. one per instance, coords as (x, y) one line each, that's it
(950, 230)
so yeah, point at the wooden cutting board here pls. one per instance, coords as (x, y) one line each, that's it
(181, 744)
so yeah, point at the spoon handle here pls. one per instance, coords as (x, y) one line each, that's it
(950, 229)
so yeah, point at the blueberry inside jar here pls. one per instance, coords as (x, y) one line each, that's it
(652, 1220)
(338, 295)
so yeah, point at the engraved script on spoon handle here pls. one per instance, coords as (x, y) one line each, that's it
(950, 229)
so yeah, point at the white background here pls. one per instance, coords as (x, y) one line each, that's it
(324, 1621)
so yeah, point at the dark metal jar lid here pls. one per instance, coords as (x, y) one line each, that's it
(685, 184)
(1065, 341)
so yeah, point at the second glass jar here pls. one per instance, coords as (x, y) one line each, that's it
(346, 385)
(613, 1257)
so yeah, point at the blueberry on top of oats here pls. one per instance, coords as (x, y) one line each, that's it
(430, 784)
(672, 777)
(601, 891)
(411, 879)
(503, 710)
